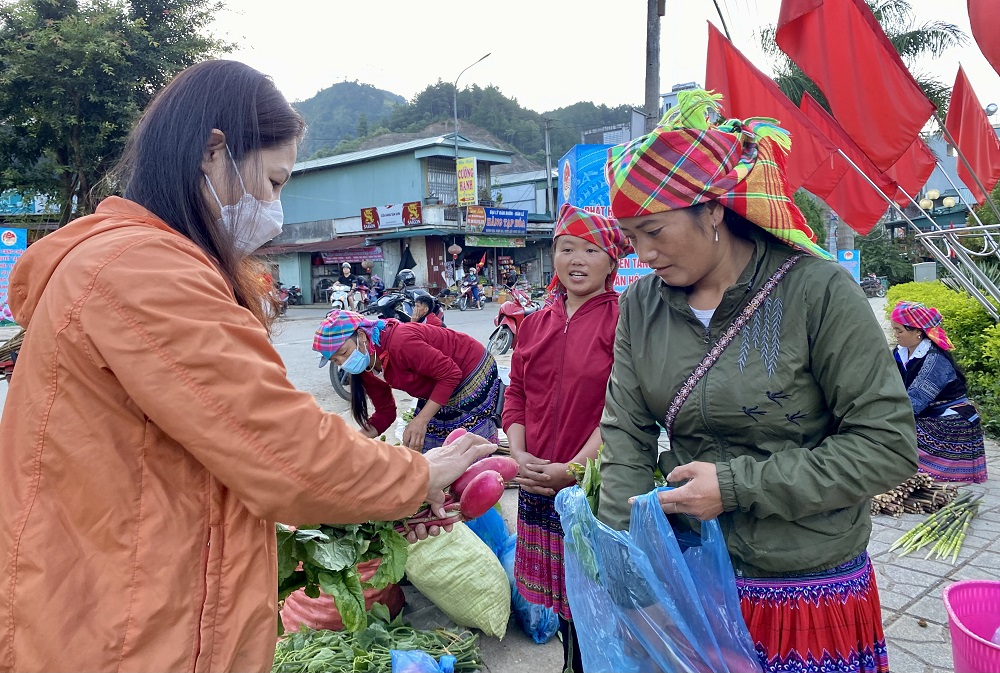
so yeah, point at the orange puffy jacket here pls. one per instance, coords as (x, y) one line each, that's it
(150, 441)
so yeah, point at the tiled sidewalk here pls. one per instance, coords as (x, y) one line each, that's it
(916, 624)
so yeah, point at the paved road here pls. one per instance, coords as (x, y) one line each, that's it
(910, 587)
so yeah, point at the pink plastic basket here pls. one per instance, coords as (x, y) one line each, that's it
(973, 617)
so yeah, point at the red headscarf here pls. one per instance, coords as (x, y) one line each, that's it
(601, 231)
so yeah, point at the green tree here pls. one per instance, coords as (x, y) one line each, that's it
(884, 257)
(910, 40)
(75, 76)
(985, 212)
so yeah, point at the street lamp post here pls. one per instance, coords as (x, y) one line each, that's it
(455, 101)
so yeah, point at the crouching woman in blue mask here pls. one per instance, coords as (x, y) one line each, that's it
(452, 375)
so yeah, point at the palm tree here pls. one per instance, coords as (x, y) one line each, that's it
(911, 41)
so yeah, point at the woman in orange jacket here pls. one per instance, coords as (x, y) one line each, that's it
(151, 437)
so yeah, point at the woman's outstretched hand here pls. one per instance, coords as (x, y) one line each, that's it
(447, 463)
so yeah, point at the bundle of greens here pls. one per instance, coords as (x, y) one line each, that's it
(944, 530)
(589, 479)
(367, 651)
(329, 556)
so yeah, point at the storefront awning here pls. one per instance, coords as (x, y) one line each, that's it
(333, 245)
(412, 232)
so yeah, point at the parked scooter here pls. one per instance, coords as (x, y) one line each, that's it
(872, 286)
(466, 298)
(282, 296)
(295, 295)
(8, 355)
(509, 318)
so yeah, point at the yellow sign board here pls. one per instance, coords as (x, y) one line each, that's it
(465, 170)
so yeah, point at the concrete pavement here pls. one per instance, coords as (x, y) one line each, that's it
(910, 586)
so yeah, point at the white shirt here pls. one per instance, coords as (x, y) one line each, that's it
(705, 316)
(922, 349)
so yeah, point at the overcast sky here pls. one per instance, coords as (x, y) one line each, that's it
(545, 53)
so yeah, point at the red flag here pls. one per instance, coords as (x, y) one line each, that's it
(984, 17)
(857, 203)
(975, 137)
(482, 262)
(750, 93)
(912, 170)
(842, 48)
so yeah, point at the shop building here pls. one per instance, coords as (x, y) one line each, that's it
(383, 207)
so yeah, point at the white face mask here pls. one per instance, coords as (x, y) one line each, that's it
(250, 221)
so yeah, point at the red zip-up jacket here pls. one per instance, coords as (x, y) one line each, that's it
(421, 360)
(559, 374)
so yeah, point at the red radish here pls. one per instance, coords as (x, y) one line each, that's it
(507, 467)
(454, 435)
(481, 494)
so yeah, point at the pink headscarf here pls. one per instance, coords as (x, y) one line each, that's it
(915, 314)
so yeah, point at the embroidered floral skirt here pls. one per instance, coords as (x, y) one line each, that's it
(472, 406)
(950, 448)
(538, 557)
(826, 621)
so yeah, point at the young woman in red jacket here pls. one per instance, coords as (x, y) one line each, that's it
(451, 373)
(552, 408)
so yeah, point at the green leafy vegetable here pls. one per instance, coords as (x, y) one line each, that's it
(329, 556)
(589, 479)
(309, 651)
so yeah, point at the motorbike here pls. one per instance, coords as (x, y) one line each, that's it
(466, 298)
(338, 297)
(282, 295)
(397, 303)
(509, 318)
(8, 356)
(295, 295)
(361, 298)
(872, 286)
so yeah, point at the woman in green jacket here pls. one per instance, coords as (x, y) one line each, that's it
(763, 364)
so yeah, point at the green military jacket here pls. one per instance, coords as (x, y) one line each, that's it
(804, 414)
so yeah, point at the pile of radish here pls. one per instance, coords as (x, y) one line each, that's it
(472, 494)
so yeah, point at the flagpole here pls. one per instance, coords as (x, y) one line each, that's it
(968, 166)
(939, 256)
(951, 240)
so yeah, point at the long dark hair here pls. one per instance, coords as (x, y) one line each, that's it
(359, 401)
(161, 165)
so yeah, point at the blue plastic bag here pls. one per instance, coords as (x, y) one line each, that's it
(491, 529)
(538, 621)
(644, 601)
(418, 661)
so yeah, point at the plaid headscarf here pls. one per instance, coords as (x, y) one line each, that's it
(915, 314)
(338, 326)
(687, 160)
(601, 231)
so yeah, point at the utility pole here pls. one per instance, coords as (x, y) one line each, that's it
(654, 10)
(548, 174)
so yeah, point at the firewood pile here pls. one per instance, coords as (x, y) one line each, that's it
(919, 494)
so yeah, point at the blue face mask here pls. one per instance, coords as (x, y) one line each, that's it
(356, 362)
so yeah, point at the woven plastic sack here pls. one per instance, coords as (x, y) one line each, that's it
(322, 613)
(538, 621)
(644, 600)
(458, 573)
